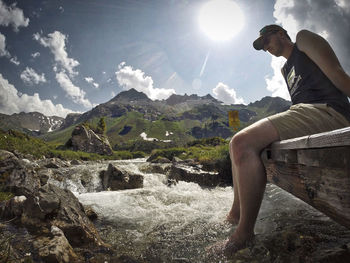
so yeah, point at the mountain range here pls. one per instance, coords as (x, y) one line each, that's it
(131, 116)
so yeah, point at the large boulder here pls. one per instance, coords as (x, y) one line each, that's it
(117, 179)
(181, 172)
(16, 175)
(51, 205)
(86, 140)
(55, 247)
(56, 224)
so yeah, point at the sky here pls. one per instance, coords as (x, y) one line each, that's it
(62, 56)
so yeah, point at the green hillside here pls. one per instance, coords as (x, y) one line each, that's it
(132, 120)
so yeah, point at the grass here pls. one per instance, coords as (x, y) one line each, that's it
(212, 157)
(210, 152)
(4, 196)
(15, 141)
(137, 122)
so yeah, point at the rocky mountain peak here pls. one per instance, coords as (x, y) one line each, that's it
(131, 95)
(177, 99)
(31, 122)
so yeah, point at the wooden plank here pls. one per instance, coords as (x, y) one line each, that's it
(319, 177)
(340, 137)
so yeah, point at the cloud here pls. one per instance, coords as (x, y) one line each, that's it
(12, 15)
(13, 102)
(15, 61)
(129, 78)
(276, 84)
(56, 42)
(91, 81)
(329, 18)
(72, 91)
(30, 77)
(35, 55)
(227, 95)
(3, 51)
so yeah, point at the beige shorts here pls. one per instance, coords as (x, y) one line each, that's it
(305, 119)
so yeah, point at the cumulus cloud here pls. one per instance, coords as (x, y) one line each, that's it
(91, 81)
(11, 101)
(30, 77)
(3, 51)
(227, 95)
(72, 91)
(129, 78)
(56, 42)
(276, 84)
(329, 18)
(12, 15)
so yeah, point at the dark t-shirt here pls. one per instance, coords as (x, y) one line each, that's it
(308, 84)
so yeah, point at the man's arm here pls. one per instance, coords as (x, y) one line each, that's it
(319, 51)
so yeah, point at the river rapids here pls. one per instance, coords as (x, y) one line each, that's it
(161, 223)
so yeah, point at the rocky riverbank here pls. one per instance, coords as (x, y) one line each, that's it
(42, 220)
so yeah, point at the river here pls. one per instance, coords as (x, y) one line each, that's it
(160, 223)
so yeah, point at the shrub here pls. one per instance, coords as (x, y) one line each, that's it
(213, 141)
(167, 153)
(4, 196)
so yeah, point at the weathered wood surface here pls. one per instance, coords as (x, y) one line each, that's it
(320, 176)
(334, 138)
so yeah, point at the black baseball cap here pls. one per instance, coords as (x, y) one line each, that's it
(258, 44)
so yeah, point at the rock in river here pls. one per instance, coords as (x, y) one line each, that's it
(180, 172)
(117, 179)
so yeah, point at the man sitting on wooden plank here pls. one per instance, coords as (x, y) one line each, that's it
(318, 87)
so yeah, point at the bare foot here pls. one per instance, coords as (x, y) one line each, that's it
(232, 218)
(227, 248)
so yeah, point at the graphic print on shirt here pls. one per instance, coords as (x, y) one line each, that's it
(292, 81)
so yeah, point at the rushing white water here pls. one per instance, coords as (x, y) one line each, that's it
(161, 223)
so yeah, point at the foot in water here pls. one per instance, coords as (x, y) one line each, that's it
(228, 248)
(232, 218)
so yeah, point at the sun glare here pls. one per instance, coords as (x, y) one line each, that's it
(221, 19)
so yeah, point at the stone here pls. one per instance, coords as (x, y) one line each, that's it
(75, 162)
(12, 208)
(56, 248)
(161, 160)
(116, 179)
(8, 162)
(51, 205)
(176, 160)
(90, 213)
(52, 165)
(86, 140)
(16, 176)
(180, 172)
(16, 205)
(148, 167)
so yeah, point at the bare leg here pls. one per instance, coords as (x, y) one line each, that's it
(234, 214)
(250, 176)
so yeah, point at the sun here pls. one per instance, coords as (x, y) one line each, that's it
(221, 19)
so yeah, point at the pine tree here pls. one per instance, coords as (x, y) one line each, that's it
(101, 126)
